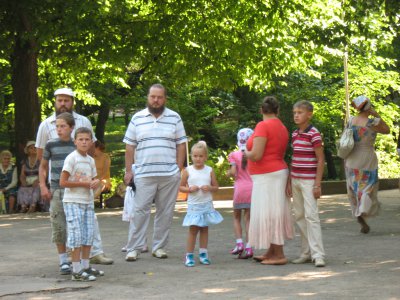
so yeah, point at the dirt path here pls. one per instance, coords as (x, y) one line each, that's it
(358, 266)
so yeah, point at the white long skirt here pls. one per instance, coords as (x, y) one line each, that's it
(270, 218)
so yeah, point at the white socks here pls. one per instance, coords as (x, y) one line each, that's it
(63, 257)
(85, 263)
(76, 266)
(203, 250)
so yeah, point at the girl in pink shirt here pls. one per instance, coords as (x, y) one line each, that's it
(242, 193)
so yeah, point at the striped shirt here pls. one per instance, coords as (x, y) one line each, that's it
(155, 140)
(47, 129)
(304, 160)
(56, 151)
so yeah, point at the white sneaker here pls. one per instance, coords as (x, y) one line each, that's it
(160, 253)
(319, 262)
(132, 255)
(301, 260)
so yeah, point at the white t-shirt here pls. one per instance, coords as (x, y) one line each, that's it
(81, 168)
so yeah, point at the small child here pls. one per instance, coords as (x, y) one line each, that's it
(78, 179)
(56, 150)
(242, 193)
(307, 168)
(199, 181)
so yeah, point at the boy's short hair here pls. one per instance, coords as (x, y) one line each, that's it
(83, 130)
(304, 104)
(67, 117)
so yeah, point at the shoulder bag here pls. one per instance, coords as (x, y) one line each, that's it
(346, 142)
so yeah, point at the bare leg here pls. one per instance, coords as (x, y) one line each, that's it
(237, 227)
(277, 256)
(61, 248)
(86, 251)
(203, 237)
(24, 208)
(32, 208)
(191, 239)
(11, 204)
(247, 222)
(76, 255)
(364, 226)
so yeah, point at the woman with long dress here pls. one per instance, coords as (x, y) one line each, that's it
(270, 219)
(361, 165)
(29, 191)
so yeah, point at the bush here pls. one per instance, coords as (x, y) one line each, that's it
(218, 160)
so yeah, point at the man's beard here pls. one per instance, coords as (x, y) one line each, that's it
(156, 110)
(63, 109)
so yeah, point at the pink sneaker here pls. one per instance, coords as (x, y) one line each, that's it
(238, 249)
(247, 253)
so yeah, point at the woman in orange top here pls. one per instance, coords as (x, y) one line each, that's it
(270, 220)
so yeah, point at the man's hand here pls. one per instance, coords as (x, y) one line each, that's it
(128, 177)
(45, 193)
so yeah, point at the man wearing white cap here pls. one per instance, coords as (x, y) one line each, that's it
(64, 102)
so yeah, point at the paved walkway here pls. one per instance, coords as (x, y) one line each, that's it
(358, 266)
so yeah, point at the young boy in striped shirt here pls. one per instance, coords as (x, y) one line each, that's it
(304, 184)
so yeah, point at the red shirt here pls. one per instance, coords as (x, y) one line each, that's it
(277, 140)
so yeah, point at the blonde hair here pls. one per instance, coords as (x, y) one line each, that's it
(201, 145)
(5, 153)
(304, 104)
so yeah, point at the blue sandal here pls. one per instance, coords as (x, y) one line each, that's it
(189, 262)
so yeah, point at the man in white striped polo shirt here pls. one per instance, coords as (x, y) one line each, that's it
(156, 143)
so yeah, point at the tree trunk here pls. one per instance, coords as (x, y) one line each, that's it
(102, 120)
(25, 83)
(330, 164)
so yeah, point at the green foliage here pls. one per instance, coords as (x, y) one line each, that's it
(217, 59)
(218, 160)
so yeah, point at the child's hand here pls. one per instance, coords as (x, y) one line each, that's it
(317, 192)
(289, 192)
(94, 183)
(193, 188)
(205, 188)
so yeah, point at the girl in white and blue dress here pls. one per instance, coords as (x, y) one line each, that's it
(199, 181)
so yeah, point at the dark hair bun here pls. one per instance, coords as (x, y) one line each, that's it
(270, 105)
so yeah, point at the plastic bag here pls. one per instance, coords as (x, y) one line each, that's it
(127, 213)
